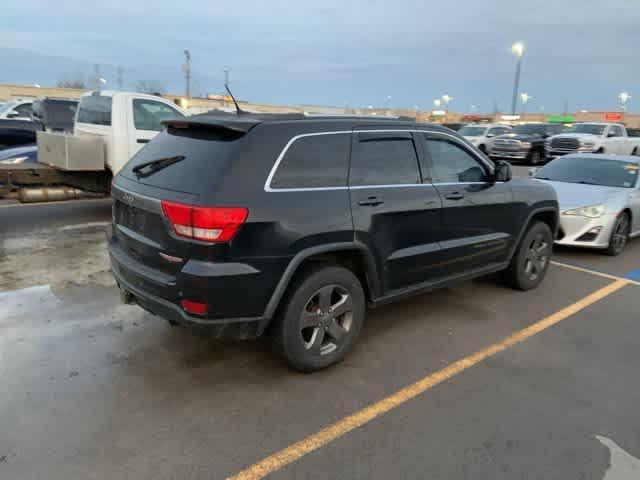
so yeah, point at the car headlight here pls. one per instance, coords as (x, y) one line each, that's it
(525, 144)
(14, 160)
(588, 144)
(593, 211)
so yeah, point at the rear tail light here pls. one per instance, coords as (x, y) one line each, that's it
(191, 306)
(208, 224)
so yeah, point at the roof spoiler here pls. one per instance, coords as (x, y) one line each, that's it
(233, 125)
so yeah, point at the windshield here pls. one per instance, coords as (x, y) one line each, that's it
(472, 131)
(593, 171)
(586, 128)
(529, 129)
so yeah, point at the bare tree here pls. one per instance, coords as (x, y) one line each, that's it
(149, 86)
(72, 81)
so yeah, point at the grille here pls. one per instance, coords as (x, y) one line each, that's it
(506, 144)
(565, 143)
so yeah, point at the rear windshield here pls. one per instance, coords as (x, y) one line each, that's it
(205, 150)
(95, 109)
(590, 171)
(472, 131)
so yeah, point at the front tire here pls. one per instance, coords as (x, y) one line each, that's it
(530, 262)
(321, 319)
(619, 235)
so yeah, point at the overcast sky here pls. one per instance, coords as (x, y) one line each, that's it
(355, 51)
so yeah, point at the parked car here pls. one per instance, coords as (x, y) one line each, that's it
(19, 155)
(290, 226)
(599, 198)
(481, 134)
(453, 126)
(19, 109)
(524, 143)
(14, 133)
(593, 137)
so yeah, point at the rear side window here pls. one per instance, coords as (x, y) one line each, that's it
(149, 115)
(314, 161)
(95, 109)
(384, 161)
(24, 110)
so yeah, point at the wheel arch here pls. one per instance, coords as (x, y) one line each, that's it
(548, 215)
(351, 255)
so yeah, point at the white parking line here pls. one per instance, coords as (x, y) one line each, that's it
(594, 272)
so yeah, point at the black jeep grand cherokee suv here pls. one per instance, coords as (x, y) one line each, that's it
(290, 226)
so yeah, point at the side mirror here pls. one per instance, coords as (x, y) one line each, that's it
(13, 114)
(489, 135)
(533, 171)
(503, 171)
(611, 134)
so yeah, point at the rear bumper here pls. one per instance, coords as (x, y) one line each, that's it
(159, 293)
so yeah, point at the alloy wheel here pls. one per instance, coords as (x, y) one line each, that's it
(620, 234)
(326, 320)
(537, 257)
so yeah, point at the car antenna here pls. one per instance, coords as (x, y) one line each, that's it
(238, 109)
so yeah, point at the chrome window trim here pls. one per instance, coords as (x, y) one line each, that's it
(274, 168)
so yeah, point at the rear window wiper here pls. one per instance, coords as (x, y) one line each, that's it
(155, 165)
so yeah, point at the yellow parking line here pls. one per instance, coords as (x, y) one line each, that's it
(328, 434)
(594, 272)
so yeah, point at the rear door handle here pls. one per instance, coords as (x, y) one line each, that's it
(454, 196)
(142, 140)
(371, 202)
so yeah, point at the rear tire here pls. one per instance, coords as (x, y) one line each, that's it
(619, 235)
(530, 262)
(535, 158)
(321, 318)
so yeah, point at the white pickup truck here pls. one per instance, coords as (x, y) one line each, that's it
(110, 127)
(593, 138)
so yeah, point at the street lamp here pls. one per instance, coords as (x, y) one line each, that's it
(518, 50)
(624, 97)
(437, 102)
(446, 99)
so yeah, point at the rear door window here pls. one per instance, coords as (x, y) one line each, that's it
(24, 110)
(384, 160)
(95, 109)
(314, 161)
(149, 114)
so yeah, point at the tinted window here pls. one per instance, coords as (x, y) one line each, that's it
(24, 110)
(452, 164)
(314, 161)
(207, 152)
(95, 109)
(149, 115)
(471, 131)
(384, 161)
(611, 173)
(591, 128)
(530, 129)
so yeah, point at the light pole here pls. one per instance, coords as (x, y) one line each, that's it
(517, 49)
(388, 104)
(524, 98)
(624, 97)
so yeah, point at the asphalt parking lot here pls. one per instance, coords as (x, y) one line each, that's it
(95, 389)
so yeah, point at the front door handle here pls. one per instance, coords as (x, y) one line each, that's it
(454, 196)
(371, 202)
(142, 140)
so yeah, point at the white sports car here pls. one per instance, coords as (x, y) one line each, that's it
(599, 197)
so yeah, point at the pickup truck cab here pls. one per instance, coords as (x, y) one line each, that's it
(524, 143)
(480, 134)
(593, 138)
(124, 121)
